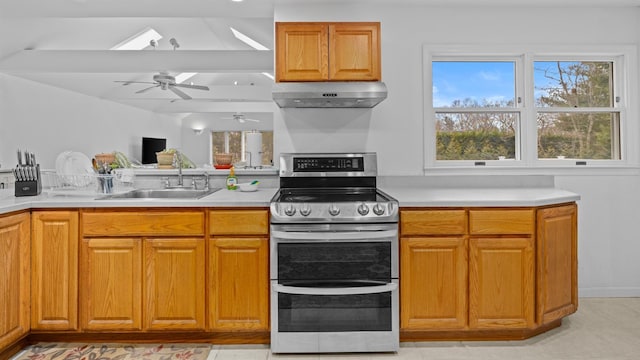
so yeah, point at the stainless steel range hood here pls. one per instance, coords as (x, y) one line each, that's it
(329, 94)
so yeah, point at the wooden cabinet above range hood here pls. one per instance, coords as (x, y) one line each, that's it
(325, 65)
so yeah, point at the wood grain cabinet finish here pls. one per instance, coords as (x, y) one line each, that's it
(501, 269)
(54, 270)
(14, 277)
(433, 274)
(470, 273)
(239, 270)
(111, 284)
(557, 275)
(501, 283)
(175, 295)
(433, 283)
(239, 283)
(145, 275)
(328, 51)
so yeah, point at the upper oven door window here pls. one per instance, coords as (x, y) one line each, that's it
(327, 261)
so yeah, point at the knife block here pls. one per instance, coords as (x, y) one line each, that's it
(29, 187)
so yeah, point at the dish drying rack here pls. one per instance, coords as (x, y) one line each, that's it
(86, 184)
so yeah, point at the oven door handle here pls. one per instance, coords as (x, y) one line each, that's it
(296, 236)
(360, 290)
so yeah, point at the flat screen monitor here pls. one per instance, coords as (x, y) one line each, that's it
(149, 148)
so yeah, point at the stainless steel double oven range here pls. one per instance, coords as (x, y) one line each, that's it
(334, 257)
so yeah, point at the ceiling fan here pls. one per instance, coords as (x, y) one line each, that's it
(241, 118)
(166, 82)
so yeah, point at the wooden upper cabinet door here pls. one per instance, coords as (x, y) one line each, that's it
(433, 284)
(501, 283)
(14, 277)
(239, 283)
(302, 52)
(354, 52)
(558, 263)
(54, 275)
(111, 284)
(175, 284)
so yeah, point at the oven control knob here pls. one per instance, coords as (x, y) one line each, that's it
(290, 210)
(305, 210)
(378, 209)
(334, 210)
(363, 209)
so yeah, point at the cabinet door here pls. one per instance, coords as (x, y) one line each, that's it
(302, 52)
(354, 51)
(111, 284)
(433, 284)
(175, 274)
(14, 277)
(239, 283)
(558, 259)
(54, 276)
(501, 283)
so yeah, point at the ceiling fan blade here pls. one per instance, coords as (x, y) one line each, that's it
(197, 87)
(125, 83)
(179, 93)
(254, 120)
(146, 89)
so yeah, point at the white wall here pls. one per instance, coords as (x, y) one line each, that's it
(48, 120)
(608, 211)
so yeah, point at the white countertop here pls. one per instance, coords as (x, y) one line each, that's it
(479, 197)
(407, 197)
(220, 198)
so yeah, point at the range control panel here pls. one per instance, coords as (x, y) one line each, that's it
(328, 164)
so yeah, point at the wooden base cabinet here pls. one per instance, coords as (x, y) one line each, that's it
(111, 284)
(239, 270)
(486, 273)
(557, 274)
(434, 283)
(239, 297)
(54, 270)
(14, 277)
(501, 283)
(149, 276)
(174, 284)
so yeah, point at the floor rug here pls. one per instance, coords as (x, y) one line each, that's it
(98, 351)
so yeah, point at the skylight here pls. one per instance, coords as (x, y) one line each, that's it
(139, 41)
(247, 40)
(182, 77)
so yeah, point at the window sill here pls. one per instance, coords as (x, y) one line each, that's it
(576, 170)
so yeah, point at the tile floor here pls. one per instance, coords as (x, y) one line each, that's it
(603, 329)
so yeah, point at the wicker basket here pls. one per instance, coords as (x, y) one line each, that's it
(164, 159)
(223, 159)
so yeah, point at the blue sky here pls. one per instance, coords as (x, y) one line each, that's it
(491, 80)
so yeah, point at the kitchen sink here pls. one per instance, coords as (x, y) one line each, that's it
(173, 193)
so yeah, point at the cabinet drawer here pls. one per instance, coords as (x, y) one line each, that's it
(433, 222)
(499, 222)
(141, 223)
(239, 222)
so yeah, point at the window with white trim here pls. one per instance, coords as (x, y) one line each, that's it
(527, 109)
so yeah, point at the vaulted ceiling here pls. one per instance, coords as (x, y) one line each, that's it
(65, 43)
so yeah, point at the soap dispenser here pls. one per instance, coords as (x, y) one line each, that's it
(232, 180)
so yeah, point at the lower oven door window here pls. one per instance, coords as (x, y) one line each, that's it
(354, 306)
